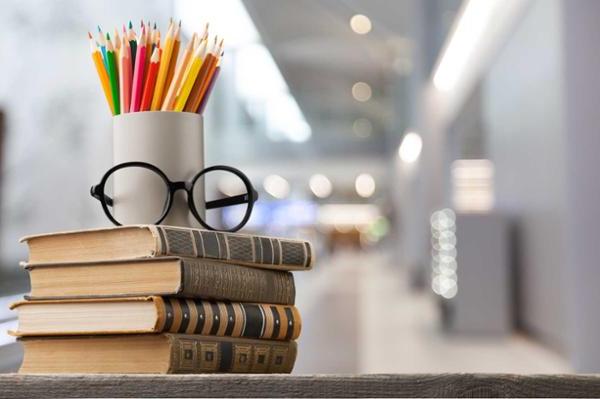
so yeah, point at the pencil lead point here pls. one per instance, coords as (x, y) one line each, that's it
(107, 36)
(130, 25)
(90, 35)
(99, 29)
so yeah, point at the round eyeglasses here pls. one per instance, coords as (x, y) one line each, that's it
(219, 197)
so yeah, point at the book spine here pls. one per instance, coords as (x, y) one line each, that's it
(265, 252)
(232, 319)
(214, 280)
(199, 354)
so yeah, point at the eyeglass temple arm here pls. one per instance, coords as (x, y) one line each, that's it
(94, 191)
(230, 201)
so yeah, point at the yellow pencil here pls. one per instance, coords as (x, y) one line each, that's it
(171, 96)
(102, 74)
(190, 77)
(165, 60)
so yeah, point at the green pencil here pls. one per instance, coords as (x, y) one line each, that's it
(113, 74)
(132, 44)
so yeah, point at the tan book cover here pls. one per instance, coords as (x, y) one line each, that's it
(156, 354)
(156, 314)
(166, 276)
(143, 241)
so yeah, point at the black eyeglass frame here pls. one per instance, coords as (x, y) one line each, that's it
(97, 191)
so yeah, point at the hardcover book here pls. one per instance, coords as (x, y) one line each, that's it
(156, 354)
(143, 241)
(155, 315)
(168, 276)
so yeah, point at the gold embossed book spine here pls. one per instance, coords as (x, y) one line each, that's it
(268, 252)
(199, 354)
(233, 319)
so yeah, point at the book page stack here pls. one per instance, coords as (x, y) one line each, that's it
(160, 299)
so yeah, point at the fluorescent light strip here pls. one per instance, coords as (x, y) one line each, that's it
(468, 30)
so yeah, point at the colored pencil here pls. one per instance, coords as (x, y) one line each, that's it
(203, 79)
(150, 85)
(132, 44)
(165, 60)
(171, 96)
(125, 74)
(102, 43)
(190, 78)
(211, 84)
(101, 71)
(113, 74)
(138, 73)
(174, 56)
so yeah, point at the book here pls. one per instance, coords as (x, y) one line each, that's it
(142, 241)
(169, 276)
(156, 354)
(155, 315)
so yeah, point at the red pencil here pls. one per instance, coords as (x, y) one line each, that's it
(151, 81)
(138, 73)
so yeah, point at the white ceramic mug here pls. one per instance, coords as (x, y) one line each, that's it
(171, 141)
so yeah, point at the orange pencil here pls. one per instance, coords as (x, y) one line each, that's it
(151, 81)
(101, 70)
(171, 96)
(173, 63)
(201, 85)
(165, 59)
(125, 75)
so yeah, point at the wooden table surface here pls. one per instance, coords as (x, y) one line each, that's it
(230, 385)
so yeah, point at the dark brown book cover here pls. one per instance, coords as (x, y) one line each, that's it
(197, 354)
(235, 319)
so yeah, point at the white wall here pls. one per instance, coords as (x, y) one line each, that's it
(523, 110)
(582, 143)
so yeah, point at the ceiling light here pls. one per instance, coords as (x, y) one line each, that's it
(360, 24)
(362, 127)
(276, 186)
(410, 147)
(364, 185)
(320, 185)
(361, 91)
(475, 16)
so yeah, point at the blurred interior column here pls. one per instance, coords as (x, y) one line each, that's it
(582, 66)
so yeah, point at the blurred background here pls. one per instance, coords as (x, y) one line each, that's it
(441, 155)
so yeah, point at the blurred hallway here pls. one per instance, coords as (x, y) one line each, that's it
(392, 329)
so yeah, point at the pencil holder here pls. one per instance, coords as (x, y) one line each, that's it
(171, 141)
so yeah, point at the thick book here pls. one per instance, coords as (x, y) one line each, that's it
(155, 315)
(144, 241)
(156, 354)
(169, 276)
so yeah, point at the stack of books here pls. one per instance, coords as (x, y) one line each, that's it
(160, 299)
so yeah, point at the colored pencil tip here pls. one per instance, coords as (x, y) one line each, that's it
(107, 36)
(90, 35)
(99, 29)
(124, 28)
(154, 25)
(180, 23)
(142, 23)
(130, 25)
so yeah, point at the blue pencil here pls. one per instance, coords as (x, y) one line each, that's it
(102, 43)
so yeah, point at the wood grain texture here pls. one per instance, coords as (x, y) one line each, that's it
(277, 385)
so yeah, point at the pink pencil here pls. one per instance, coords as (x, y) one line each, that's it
(138, 73)
(125, 75)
